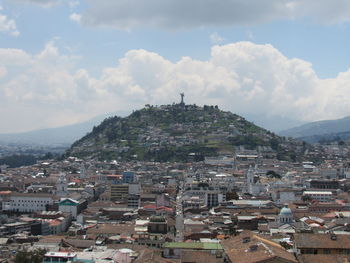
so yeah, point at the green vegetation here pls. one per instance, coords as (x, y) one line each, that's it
(14, 161)
(174, 133)
(35, 256)
(273, 174)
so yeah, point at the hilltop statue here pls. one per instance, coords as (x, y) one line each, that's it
(182, 99)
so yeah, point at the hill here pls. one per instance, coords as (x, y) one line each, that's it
(176, 133)
(321, 130)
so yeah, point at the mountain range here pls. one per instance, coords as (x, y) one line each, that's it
(327, 130)
(60, 136)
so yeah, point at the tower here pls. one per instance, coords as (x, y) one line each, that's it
(250, 176)
(61, 185)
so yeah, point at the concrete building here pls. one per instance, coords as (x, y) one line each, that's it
(322, 196)
(28, 203)
(74, 207)
(119, 192)
(128, 177)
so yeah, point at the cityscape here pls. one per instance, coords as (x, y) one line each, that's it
(174, 131)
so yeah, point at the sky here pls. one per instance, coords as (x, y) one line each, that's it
(278, 63)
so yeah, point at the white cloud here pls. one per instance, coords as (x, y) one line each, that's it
(8, 25)
(215, 38)
(3, 72)
(184, 14)
(75, 17)
(241, 77)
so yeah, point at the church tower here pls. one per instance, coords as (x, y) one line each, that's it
(62, 185)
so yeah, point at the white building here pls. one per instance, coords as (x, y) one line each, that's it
(281, 196)
(322, 196)
(329, 173)
(209, 197)
(221, 160)
(68, 205)
(62, 186)
(254, 187)
(226, 181)
(28, 203)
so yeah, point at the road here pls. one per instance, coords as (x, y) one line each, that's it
(179, 216)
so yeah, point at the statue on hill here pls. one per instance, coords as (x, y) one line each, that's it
(182, 103)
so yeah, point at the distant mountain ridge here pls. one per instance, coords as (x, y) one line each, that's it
(321, 130)
(64, 135)
(175, 133)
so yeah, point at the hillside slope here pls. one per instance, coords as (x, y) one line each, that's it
(176, 133)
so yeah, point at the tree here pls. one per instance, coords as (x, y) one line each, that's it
(273, 174)
(232, 195)
(285, 245)
(25, 256)
(341, 142)
(306, 198)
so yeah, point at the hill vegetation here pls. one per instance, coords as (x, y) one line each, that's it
(177, 133)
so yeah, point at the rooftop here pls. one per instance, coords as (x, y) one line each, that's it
(193, 245)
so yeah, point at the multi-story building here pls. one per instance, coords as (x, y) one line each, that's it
(322, 196)
(209, 196)
(74, 207)
(128, 177)
(119, 192)
(28, 203)
(324, 184)
(307, 243)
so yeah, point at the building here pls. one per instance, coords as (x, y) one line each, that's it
(74, 207)
(209, 196)
(53, 257)
(285, 195)
(324, 184)
(158, 224)
(321, 196)
(28, 203)
(128, 177)
(254, 187)
(307, 243)
(285, 216)
(62, 186)
(252, 248)
(119, 192)
(176, 249)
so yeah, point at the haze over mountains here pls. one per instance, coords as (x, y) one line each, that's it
(62, 136)
(321, 130)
